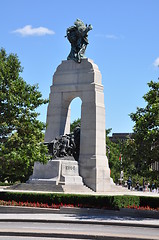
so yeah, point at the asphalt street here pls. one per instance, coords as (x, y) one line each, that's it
(31, 238)
(78, 230)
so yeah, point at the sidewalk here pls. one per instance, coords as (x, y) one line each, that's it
(79, 219)
(124, 217)
(119, 190)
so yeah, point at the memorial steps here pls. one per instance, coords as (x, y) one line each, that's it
(48, 187)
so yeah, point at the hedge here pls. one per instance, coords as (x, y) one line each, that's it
(152, 202)
(89, 201)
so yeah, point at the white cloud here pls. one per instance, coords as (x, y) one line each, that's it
(29, 31)
(111, 36)
(156, 62)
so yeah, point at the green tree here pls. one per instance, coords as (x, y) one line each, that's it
(20, 130)
(113, 154)
(128, 154)
(143, 150)
(74, 124)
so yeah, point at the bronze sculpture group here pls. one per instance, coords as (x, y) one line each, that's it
(65, 145)
(78, 37)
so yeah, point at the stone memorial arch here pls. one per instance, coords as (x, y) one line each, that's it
(77, 76)
(83, 80)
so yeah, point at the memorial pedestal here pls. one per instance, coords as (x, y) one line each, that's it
(56, 172)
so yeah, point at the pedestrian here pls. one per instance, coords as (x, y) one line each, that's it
(137, 186)
(153, 187)
(129, 182)
(143, 184)
(148, 186)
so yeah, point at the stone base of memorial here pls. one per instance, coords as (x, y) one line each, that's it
(59, 175)
(60, 171)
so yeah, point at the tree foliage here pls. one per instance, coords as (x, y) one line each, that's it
(113, 154)
(20, 130)
(74, 124)
(143, 149)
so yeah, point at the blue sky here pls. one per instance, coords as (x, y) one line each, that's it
(124, 43)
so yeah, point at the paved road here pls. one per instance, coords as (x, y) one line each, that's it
(89, 231)
(31, 238)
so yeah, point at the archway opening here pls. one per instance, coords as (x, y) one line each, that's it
(75, 106)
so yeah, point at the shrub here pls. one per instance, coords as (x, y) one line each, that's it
(152, 202)
(89, 201)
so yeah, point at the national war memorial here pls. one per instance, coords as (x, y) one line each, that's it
(77, 76)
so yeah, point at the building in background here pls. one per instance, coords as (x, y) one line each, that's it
(155, 166)
(117, 137)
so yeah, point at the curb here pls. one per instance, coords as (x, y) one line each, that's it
(126, 224)
(68, 235)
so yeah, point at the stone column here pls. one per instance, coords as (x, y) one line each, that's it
(93, 161)
(58, 116)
